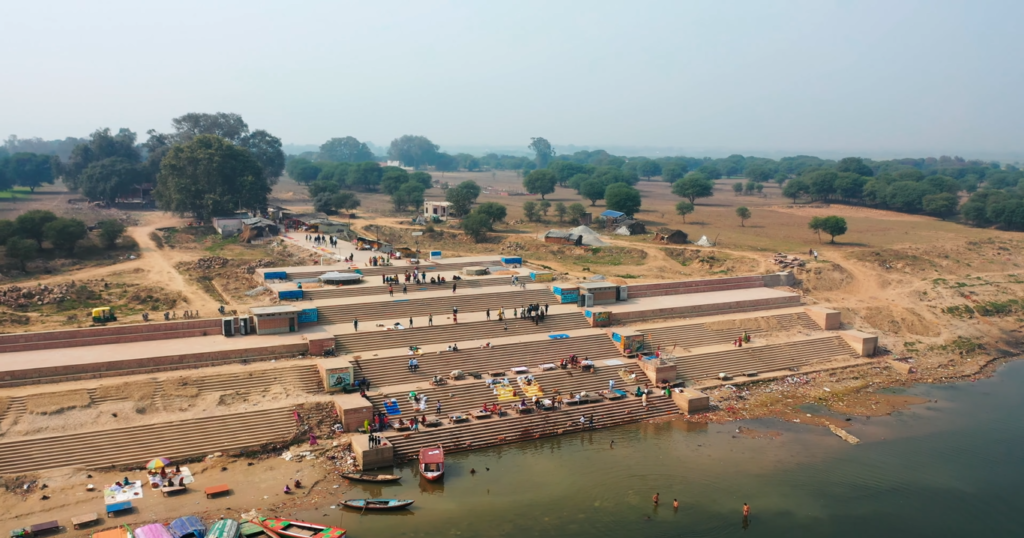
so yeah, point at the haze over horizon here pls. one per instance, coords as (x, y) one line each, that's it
(878, 79)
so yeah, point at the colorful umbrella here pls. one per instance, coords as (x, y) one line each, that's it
(158, 463)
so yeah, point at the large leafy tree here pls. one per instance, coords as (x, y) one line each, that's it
(648, 169)
(101, 145)
(223, 124)
(32, 169)
(565, 170)
(108, 179)
(20, 249)
(31, 224)
(345, 150)
(462, 196)
(540, 182)
(302, 170)
(210, 176)
(622, 197)
(543, 151)
(593, 190)
(832, 225)
(671, 173)
(266, 149)
(392, 179)
(495, 212)
(110, 230)
(743, 212)
(410, 193)
(854, 165)
(694, 185)
(476, 225)
(445, 163)
(795, 188)
(413, 151)
(684, 208)
(64, 233)
(576, 212)
(365, 175)
(940, 205)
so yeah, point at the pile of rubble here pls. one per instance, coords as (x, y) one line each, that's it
(22, 297)
(787, 262)
(513, 246)
(250, 268)
(209, 262)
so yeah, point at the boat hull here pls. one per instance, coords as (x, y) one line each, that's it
(285, 528)
(376, 478)
(432, 463)
(377, 504)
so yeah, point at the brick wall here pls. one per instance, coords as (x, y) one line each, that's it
(660, 289)
(318, 345)
(92, 336)
(706, 309)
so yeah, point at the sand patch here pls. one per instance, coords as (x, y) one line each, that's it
(4, 402)
(50, 403)
(181, 387)
(139, 391)
(825, 277)
(896, 320)
(505, 273)
(765, 323)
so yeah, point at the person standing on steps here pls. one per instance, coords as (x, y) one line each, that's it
(454, 285)
(410, 322)
(430, 320)
(391, 291)
(488, 314)
(355, 324)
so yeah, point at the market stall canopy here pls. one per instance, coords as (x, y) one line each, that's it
(158, 463)
(335, 276)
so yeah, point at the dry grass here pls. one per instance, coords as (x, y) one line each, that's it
(138, 391)
(50, 403)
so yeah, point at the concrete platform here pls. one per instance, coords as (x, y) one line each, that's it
(698, 304)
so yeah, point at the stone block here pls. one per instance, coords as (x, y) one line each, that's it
(372, 458)
(826, 318)
(861, 342)
(691, 401)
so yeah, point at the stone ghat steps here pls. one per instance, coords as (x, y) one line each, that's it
(370, 289)
(761, 359)
(384, 371)
(432, 269)
(467, 397)
(448, 333)
(107, 339)
(706, 288)
(516, 428)
(694, 335)
(302, 377)
(440, 307)
(137, 444)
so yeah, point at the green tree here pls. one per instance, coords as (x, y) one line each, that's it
(684, 208)
(854, 165)
(544, 206)
(758, 172)
(209, 176)
(7, 230)
(942, 205)
(749, 187)
(822, 184)
(30, 224)
(575, 182)
(422, 178)
(576, 212)
(816, 224)
(462, 197)
(101, 145)
(319, 187)
(365, 176)
(346, 150)
(759, 187)
(110, 230)
(494, 211)
(445, 163)
(694, 185)
(622, 197)
(593, 190)
(108, 179)
(475, 225)
(565, 170)
(906, 196)
(223, 124)
(542, 149)
(323, 203)
(833, 226)
(531, 211)
(392, 179)
(408, 194)
(795, 188)
(65, 233)
(345, 201)
(560, 210)
(31, 170)
(20, 249)
(413, 151)
(670, 173)
(540, 182)
(302, 170)
(266, 149)
(709, 171)
(648, 169)
(743, 212)
(737, 188)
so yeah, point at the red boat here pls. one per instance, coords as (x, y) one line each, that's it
(288, 528)
(432, 462)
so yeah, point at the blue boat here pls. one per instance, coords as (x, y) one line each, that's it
(187, 527)
(376, 504)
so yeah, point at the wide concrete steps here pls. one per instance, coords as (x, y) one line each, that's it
(696, 289)
(399, 268)
(304, 377)
(762, 358)
(694, 335)
(384, 371)
(377, 338)
(103, 340)
(370, 289)
(517, 428)
(402, 309)
(137, 444)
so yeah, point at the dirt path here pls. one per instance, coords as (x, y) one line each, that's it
(159, 263)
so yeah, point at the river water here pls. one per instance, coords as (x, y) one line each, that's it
(951, 467)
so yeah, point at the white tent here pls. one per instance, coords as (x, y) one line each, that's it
(335, 277)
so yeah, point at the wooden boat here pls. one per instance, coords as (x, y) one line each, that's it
(225, 528)
(376, 504)
(363, 477)
(288, 528)
(117, 532)
(187, 527)
(432, 462)
(248, 529)
(153, 530)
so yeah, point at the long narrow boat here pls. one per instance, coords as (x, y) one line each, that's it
(187, 527)
(376, 504)
(289, 528)
(153, 530)
(117, 532)
(363, 477)
(248, 529)
(432, 462)
(225, 528)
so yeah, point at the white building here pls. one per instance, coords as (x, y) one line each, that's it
(436, 209)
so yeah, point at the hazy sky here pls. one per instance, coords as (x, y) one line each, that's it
(918, 77)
